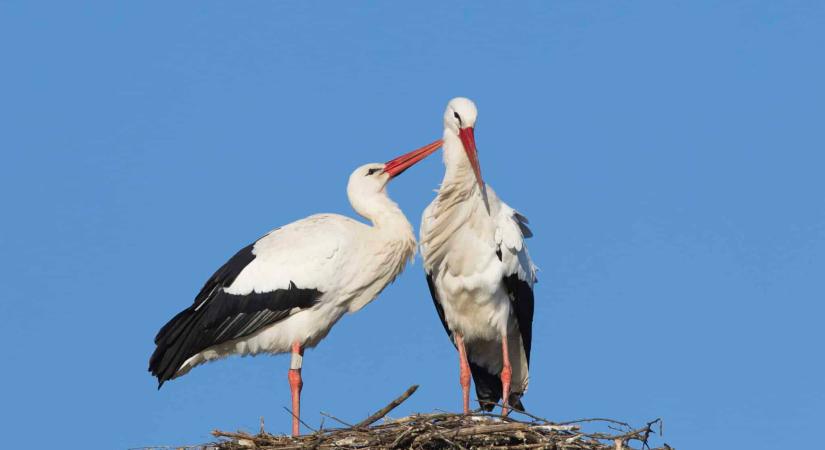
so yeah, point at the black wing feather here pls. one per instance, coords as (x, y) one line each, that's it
(223, 277)
(522, 304)
(438, 307)
(217, 317)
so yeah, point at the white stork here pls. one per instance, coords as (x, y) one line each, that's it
(285, 291)
(479, 271)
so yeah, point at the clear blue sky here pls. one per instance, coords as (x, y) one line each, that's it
(670, 157)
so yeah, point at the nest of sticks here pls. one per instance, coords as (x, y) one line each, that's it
(478, 430)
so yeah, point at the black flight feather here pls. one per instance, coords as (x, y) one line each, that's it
(521, 303)
(217, 317)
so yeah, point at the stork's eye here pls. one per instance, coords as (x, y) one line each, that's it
(455, 114)
(372, 171)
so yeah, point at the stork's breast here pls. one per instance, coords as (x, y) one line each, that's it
(478, 281)
(474, 305)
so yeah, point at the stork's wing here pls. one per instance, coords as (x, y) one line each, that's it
(519, 271)
(280, 274)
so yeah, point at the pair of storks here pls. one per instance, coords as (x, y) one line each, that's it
(284, 292)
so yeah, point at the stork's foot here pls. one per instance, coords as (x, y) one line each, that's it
(506, 376)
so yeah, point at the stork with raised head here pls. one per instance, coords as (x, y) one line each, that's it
(479, 272)
(284, 292)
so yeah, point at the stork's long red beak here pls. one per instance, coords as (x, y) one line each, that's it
(398, 165)
(469, 141)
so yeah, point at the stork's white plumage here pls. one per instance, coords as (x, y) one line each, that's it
(478, 269)
(285, 291)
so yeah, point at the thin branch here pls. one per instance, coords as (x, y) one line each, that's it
(524, 413)
(348, 425)
(385, 410)
(289, 411)
(595, 419)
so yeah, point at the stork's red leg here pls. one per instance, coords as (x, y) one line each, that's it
(464, 376)
(506, 375)
(295, 385)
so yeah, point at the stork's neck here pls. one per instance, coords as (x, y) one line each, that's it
(459, 183)
(458, 171)
(391, 244)
(385, 215)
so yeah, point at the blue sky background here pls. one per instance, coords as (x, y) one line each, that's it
(670, 157)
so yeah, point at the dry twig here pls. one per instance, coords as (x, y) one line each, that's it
(385, 410)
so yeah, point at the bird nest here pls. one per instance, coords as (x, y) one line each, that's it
(477, 430)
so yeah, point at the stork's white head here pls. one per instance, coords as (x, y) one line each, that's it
(460, 119)
(460, 113)
(370, 180)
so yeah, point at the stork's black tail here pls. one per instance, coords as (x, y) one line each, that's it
(168, 355)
